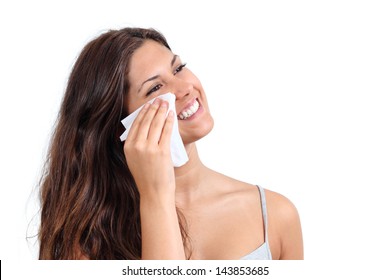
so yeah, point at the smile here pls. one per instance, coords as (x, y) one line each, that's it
(189, 111)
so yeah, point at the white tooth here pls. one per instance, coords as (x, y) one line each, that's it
(190, 111)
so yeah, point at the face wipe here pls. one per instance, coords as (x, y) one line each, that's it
(178, 152)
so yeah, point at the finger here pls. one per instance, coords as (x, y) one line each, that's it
(165, 139)
(133, 132)
(157, 124)
(144, 126)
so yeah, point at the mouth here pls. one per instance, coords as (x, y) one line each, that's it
(189, 111)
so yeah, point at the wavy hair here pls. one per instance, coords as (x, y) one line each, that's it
(89, 199)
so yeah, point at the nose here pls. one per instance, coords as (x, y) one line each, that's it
(181, 88)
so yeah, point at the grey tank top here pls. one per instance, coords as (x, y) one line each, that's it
(263, 252)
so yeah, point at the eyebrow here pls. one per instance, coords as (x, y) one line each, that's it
(174, 59)
(156, 76)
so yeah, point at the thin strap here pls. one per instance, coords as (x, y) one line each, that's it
(264, 211)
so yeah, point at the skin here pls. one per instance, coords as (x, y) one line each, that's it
(223, 215)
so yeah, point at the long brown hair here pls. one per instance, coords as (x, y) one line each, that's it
(89, 200)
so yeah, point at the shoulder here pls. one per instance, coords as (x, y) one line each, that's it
(281, 206)
(284, 226)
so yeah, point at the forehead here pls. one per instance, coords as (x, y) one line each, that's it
(148, 59)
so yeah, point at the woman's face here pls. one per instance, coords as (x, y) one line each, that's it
(154, 70)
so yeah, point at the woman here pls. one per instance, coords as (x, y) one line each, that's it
(104, 199)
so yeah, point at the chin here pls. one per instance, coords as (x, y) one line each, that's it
(197, 133)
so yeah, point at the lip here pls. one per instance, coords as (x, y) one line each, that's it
(188, 105)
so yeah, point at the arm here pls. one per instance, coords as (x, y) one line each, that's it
(161, 237)
(147, 150)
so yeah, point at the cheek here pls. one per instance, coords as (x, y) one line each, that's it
(192, 78)
(198, 86)
(132, 104)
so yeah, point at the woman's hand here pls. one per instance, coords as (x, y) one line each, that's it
(147, 150)
(148, 156)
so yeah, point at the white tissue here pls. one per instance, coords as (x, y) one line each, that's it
(178, 152)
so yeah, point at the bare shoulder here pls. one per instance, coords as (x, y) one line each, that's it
(285, 231)
(281, 206)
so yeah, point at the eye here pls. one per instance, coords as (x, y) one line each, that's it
(178, 69)
(154, 89)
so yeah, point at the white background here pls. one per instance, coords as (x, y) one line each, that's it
(299, 91)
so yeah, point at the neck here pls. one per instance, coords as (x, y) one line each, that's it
(190, 178)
